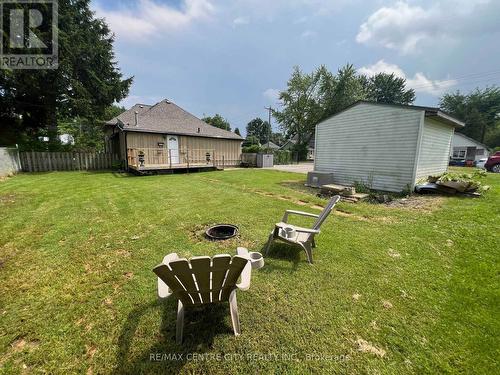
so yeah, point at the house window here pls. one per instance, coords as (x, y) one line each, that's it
(480, 151)
(459, 153)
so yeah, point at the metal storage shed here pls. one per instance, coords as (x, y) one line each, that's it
(385, 146)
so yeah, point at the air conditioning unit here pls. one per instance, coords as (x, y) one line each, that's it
(318, 179)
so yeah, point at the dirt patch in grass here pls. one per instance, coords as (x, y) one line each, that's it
(21, 344)
(387, 304)
(364, 218)
(366, 347)
(417, 202)
(393, 253)
(6, 199)
(196, 234)
(299, 186)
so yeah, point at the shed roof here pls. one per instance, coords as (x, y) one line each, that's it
(431, 112)
(167, 118)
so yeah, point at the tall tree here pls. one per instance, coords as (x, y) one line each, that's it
(88, 135)
(260, 129)
(86, 82)
(218, 121)
(250, 141)
(301, 105)
(337, 92)
(278, 139)
(387, 88)
(480, 110)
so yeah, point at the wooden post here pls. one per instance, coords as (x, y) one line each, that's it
(33, 159)
(187, 157)
(170, 158)
(223, 161)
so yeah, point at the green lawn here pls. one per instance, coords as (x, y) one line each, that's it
(419, 283)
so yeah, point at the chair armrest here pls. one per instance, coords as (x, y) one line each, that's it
(300, 213)
(246, 274)
(296, 228)
(305, 230)
(163, 289)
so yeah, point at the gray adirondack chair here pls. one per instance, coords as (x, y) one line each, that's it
(203, 280)
(304, 237)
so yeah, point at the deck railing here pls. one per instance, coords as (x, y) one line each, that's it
(168, 159)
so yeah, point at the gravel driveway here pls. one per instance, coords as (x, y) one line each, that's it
(297, 168)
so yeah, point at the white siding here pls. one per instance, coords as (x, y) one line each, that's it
(435, 148)
(460, 142)
(374, 144)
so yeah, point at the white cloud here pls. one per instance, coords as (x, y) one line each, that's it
(419, 82)
(241, 21)
(307, 34)
(408, 28)
(149, 18)
(272, 94)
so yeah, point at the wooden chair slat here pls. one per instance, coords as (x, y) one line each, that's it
(185, 275)
(220, 267)
(168, 277)
(237, 265)
(201, 271)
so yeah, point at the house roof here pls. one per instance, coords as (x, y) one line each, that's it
(271, 145)
(293, 141)
(431, 112)
(471, 139)
(166, 117)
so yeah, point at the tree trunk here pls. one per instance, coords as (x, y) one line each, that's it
(51, 124)
(483, 132)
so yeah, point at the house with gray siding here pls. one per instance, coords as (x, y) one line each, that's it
(385, 146)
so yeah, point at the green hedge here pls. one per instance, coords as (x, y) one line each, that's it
(282, 157)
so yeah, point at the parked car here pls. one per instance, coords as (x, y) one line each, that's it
(457, 162)
(493, 163)
(480, 163)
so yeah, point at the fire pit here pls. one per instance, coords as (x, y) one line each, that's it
(222, 232)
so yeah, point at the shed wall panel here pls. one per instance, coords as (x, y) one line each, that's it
(372, 144)
(435, 148)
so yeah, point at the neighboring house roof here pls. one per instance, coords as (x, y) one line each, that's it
(167, 118)
(293, 141)
(429, 112)
(471, 139)
(271, 145)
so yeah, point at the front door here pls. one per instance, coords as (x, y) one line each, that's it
(173, 149)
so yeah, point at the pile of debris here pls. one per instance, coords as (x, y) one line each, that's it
(348, 193)
(450, 183)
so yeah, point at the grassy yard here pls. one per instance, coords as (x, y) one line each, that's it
(394, 289)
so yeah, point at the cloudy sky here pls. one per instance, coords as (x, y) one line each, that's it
(233, 56)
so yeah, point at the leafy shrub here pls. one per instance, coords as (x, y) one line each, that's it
(282, 157)
(251, 149)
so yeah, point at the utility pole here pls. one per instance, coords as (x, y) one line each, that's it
(270, 109)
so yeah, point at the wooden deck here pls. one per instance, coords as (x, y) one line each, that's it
(165, 167)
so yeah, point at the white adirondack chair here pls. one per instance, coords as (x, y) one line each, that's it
(303, 237)
(203, 280)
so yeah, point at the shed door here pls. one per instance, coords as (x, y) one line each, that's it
(173, 147)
